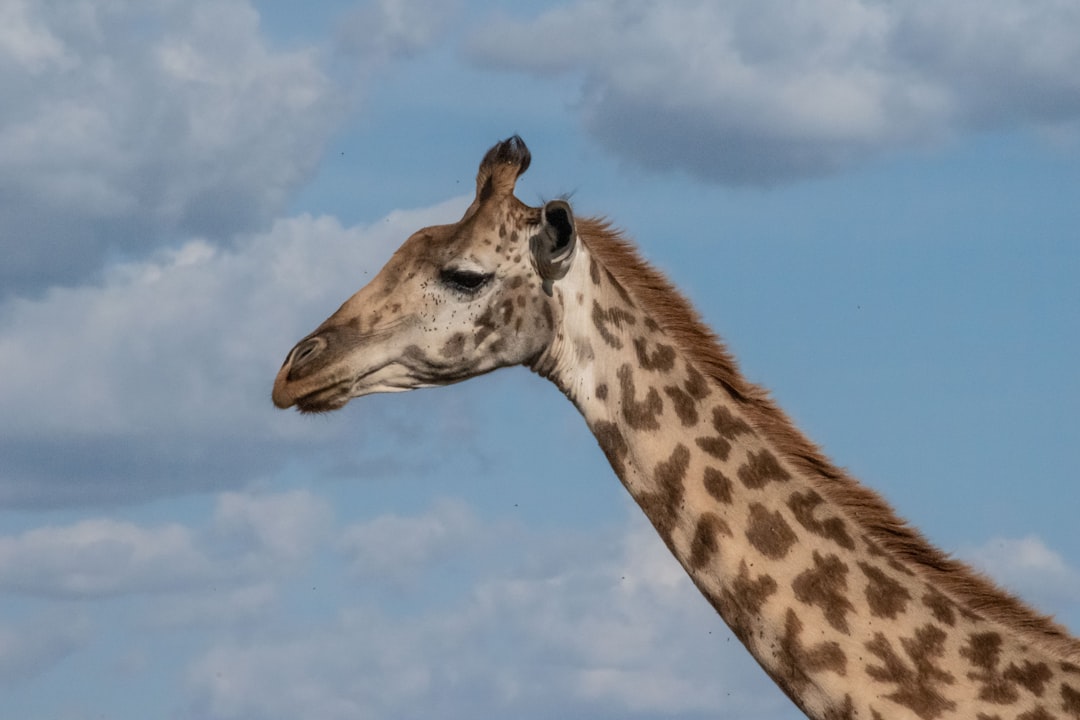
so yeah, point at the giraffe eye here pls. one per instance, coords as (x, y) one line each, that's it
(464, 281)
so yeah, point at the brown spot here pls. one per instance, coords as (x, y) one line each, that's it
(684, 405)
(919, 679)
(661, 505)
(718, 485)
(604, 319)
(727, 428)
(662, 359)
(706, 540)
(760, 469)
(727, 425)
(984, 716)
(613, 444)
(1032, 676)
(769, 532)
(1070, 700)
(580, 298)
(695, 384)
(797, 662)
(1037, 713)
(594, 271)
(825, 585)
(887, 597)
(741, 601)
(1071, 668)
(940, 606)
(802, 506)
(752, 593)
(983, 650)
(601, 391)
(454, 346)
(639, 415)
(515, 282)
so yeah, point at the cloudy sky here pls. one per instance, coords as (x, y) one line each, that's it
(876, 204)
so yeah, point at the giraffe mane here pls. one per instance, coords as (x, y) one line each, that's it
(875, 517)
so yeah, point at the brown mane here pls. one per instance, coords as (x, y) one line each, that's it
(977, 593)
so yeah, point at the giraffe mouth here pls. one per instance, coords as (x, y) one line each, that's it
(390, 378)
(325, 399)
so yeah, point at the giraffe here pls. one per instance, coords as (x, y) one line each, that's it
(845, 606)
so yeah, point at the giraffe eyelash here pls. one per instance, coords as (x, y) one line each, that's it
(464, 281)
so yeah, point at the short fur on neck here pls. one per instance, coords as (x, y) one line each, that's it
(668, 308)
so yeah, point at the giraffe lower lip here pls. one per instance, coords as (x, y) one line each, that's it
(325, 400)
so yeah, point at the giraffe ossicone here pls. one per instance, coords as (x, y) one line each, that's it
(848, 608)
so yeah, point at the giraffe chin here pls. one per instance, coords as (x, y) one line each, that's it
(326, 400)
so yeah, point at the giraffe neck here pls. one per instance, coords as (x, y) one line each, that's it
(845, 625)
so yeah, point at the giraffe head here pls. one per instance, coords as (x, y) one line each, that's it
(454, 301)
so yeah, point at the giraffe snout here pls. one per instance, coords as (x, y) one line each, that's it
(298, 364)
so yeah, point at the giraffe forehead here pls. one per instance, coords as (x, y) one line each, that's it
(486, 238)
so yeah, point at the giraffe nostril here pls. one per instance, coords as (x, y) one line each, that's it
(305, 351)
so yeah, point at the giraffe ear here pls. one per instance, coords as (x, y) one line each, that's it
(554, 244)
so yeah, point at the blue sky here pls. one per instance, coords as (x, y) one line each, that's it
(877, 206)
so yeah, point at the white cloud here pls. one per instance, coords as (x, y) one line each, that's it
(616, 629)
(1031, 569)
(319, 673)
(393, 547)
(542, 623)
(761, 92)
(284, 526)
(253, 538)
(382, 30)
(38, 643)
(230, 609)
(98, 557)
(127, 124)
(158, 379)
(25, 40)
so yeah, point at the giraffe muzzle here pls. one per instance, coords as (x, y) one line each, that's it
(298, 364)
